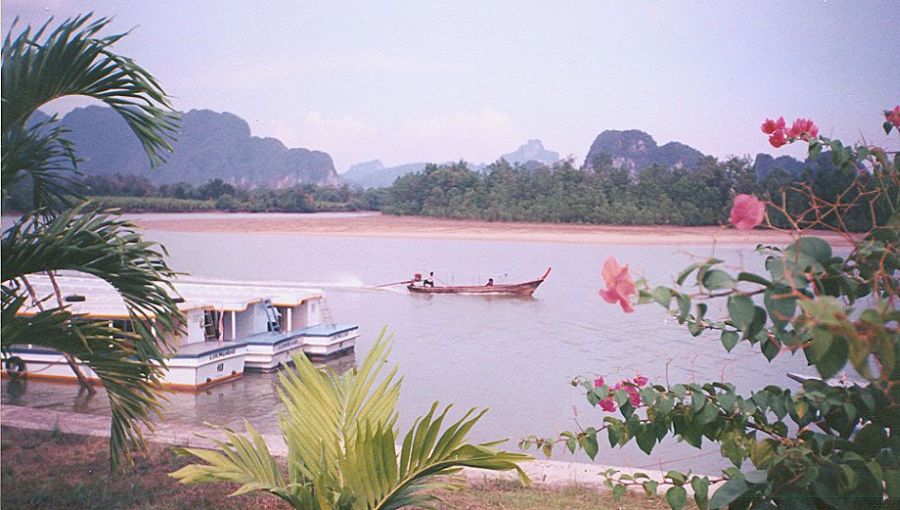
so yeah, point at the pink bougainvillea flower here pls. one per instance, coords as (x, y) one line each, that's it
(619, 285)
(770, 126)
(803, 128)
(641, 381)
(893, 116)
(813, 130)
(598, 382)
(778, 139)
(633, 395)
(608, 404)
(747, 212)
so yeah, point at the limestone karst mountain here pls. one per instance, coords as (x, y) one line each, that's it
(210, 145)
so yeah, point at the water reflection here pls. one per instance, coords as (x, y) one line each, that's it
(252, 396)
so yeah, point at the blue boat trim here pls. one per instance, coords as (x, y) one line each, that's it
(327, 329)
(216, 348)
(33, 350)
(272, 338)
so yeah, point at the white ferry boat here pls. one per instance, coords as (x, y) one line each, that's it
(230, 328)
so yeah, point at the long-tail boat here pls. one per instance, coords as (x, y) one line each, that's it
(499, 289)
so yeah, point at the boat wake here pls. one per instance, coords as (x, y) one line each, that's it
(343, 283)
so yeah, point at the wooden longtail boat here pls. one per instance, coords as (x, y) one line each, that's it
(511, 289)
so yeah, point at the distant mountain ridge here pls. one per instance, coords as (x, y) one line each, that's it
(373, 174)
(215, 145)
(210, 145)
(532, 150)
(636, 150)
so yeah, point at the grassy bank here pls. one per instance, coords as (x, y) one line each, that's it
(44, 470)
(154, 204)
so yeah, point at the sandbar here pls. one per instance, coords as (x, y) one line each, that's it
(417, 227)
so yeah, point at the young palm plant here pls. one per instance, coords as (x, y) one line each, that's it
(343, 446)
(39, 67)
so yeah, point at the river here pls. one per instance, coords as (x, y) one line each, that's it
(514, 356)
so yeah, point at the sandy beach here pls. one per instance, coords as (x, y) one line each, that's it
(378, 225)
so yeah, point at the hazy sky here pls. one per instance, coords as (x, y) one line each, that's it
(405, 81)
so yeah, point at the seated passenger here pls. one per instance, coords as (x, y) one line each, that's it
(490, 283)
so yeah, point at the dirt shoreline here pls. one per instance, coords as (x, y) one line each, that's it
(415, 227)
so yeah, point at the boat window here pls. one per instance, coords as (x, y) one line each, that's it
(273, 317)
(212, 325)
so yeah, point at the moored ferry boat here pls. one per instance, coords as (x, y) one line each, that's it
(231, 328)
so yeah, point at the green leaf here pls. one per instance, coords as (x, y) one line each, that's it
(807, 253)
(827, 352)
(871, 439)
(650, 487)
(741, 309)
(729, 492)
(825, 309)
(756, 476)
(676, 497)
(687, 272)
(646, 439)
(815, 148)
(618, 491)
(761, 452)
(701, 491)
(707, 415)
(781, 307)
(677, 477)
(729, 340)
(716, 279)
(786, 274)
(753, 278)
(547, 449)
(892, 483)
(589, 444)
(770, 349)
(684, 305)
(663, 296)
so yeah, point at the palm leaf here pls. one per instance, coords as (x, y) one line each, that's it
(38, 67)
(70, 60)
(342, 445)
(42, 155)
(130, 365)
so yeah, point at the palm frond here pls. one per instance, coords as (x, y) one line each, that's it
(341, 404)
(42, 154)
(74, 60)
(130, 365)
(342, 445)
(71, 59)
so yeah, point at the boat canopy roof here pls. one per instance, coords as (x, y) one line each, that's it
(102, 301)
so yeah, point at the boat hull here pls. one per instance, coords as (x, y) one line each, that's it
(519, 289)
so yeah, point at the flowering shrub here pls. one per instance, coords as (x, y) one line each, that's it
(801, 129)
(830, 445)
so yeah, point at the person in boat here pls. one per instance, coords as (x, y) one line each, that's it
(490, 283)
(429, 282)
